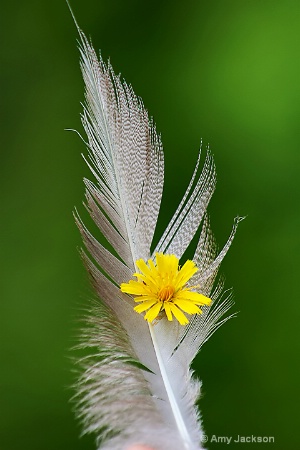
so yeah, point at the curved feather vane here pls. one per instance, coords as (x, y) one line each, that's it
(136, 384)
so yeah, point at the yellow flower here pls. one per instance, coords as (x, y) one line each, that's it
(162, 287)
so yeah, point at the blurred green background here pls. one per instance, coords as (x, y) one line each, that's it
(226, 71)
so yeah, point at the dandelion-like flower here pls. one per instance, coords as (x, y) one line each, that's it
(163, 287)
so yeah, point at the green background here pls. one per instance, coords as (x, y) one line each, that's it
(226, 71)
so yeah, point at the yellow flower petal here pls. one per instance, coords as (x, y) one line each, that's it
(152, 266)
(145, 305)
(140, 263)
(153, 312)
(186, 272)
(143, 298)
(168, 311)
(147, 281)
(178, 314)
(188, 307)
(195, 297)
(133, 287)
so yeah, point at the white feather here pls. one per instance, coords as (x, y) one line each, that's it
(136, 384)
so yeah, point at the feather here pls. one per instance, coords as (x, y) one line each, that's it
(136, 385)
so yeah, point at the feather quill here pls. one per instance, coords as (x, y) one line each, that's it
(136, 385)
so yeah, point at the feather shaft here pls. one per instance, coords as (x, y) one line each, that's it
(175, 409)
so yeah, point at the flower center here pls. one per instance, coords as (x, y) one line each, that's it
(166, 293)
